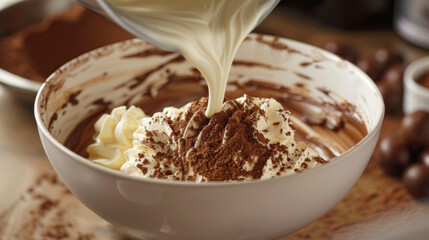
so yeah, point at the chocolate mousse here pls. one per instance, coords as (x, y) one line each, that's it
(38, 50)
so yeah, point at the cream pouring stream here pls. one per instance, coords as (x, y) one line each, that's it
(208, 33)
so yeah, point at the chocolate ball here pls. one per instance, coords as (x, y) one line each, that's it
(394, 75)
(381, 60)
(370, 67)
(343, 50)
(387, 56)
(415, 151)
(416, 180)
(415, 127)
(424, 157)
(391, 88)
(387, 98)
(394, 155)
(392, 97)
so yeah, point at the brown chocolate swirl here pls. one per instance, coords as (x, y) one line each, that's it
(329, 127)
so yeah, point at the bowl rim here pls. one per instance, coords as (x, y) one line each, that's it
(415, 68)
(12, 80)
(43, 131)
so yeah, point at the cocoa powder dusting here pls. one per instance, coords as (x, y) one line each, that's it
(218, 148)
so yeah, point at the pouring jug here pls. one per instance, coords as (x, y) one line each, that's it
(103, 8)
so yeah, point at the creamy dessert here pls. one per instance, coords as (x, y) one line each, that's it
(210, 139)
(248, 138)
(326, 129)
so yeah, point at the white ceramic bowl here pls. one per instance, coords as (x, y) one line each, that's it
(416, 96)
(159, 209)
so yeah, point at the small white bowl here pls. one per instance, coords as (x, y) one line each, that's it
(159, 209)
(416, 96)
(16, 16)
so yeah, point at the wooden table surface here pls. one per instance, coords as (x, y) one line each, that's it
(34, 204)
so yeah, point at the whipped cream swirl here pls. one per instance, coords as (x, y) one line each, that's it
(179, 143)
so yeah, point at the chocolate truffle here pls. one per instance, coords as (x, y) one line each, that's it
(394, 155)
(416, 180)
(394, 75)
(391, 87)
(387, 56)
(382, 59)
(424, 157)
(415, 127)
(343, 50)
(369, 66)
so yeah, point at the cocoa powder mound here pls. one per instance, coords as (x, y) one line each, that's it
(218, 148)
(38, 50)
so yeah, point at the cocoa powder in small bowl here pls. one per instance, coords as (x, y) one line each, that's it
(38, 50)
